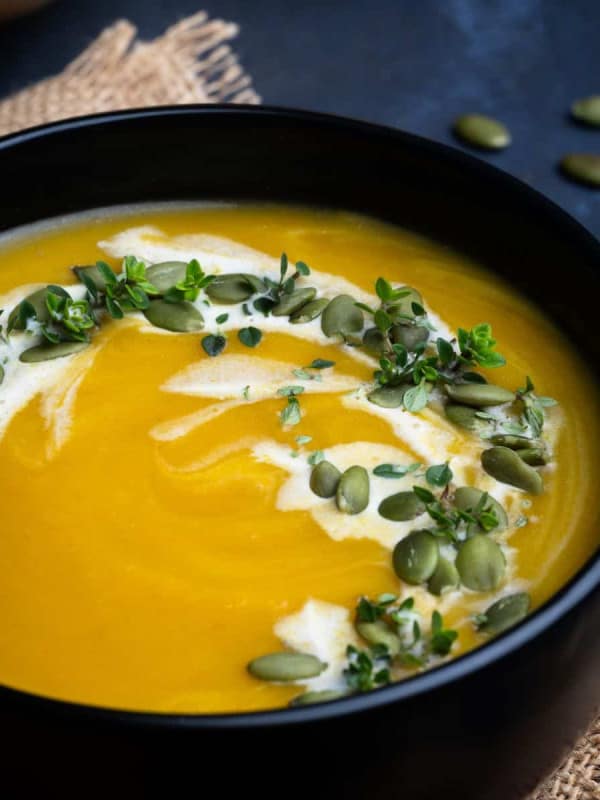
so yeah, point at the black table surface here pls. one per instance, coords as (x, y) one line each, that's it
(412, 65)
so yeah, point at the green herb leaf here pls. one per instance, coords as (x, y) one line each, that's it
(290, 391)
(222, 318)
(316, 457)
(416, 398)
(302, 268)
(213, 345)
(321, 363)
(291, 414)
(394, 470)
(301, 440)
(439, 475)
(249, 336)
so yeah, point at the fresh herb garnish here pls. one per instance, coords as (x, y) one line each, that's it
(439, 475)
(366, 671)
(301, 440)
(442, 638)
(129, 291)
(213, 345)
(320, 363)
(290, 391)
(316, 457)
(395, 470)
(189, 288)
(222, 318)
(291, 414)
(249, 336)
(246, 393)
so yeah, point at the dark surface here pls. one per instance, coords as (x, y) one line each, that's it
(413, 65)
(487, 726)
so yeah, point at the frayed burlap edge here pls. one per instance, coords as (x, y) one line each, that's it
(189, 63)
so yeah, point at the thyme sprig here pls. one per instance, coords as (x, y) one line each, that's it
(277, 288)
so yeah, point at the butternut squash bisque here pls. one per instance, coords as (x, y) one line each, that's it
(235, 478)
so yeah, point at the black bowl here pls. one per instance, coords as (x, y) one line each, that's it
(487, 726)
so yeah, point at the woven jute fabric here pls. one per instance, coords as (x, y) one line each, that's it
(192, 63)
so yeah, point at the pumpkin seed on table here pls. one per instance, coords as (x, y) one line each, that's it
(290, 303)
(310, 311)
(482, 131)
(324, 479)
(352, 494)
(164, 275)
(468, 498)
(36, 299)
(341, 316)
(401, 507)
(480, 563)
(47, 352)
(466, 417)
(587, 110)
(415, 558)
(180, 317)
(379, 633)
(409, 335)
(230, 289)
(388, 396)
(479, 395)
(324, 696)
(504, 613)
(285, 666)
(444, 578)
(582, 167)
(506, 466)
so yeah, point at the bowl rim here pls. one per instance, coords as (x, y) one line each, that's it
(583, 583)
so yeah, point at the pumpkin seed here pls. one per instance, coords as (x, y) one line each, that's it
(286, 666)
(402, 310)
(480, 563)
(514, 442)
(46, 352)
(180, 317)
(324, 696)
(466, 417)
(388, 396)
(587, 110)
(341, 316)
(93, 274)
(416, 557)
(534, 456)
(505, 613)
(379, 632)
(445, 577)
(309, 312)
(324, 479)
(38, 300)
(1, 374)
(401, 506)
(582, 167)
(479, 395)
(482, 131)
(289, 303)
(352, 495)
(256, 283)
(373, 341)
(468, 498)
(164, 275)
(409, 335)
(505, 466)
(229, 289)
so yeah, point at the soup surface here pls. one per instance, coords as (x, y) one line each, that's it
(159, 530)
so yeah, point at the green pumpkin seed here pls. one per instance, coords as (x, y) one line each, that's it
(379, 632)
(309, 312)
(505, 466)
(587, 110)
(409, 335)
(165, 274)
(534, 456)
(514, 442)
(256, 283)
(388, 396)
(352, 495)
(341, 316)
(480, 563)
(466, 417)
(324, 696)
(402, 310)
(444, 578)
(2, 373)
(582, 167)
(47, 352)
(289, 303)
(38, 300)
(467, 498)
(93, 274)
(479, 395)
(416, 557)
(230, 289)
(324, 479)
(373, 341)
(179, 317)
(285, 666)
(482, 131)
(505, 613)
(401, 506)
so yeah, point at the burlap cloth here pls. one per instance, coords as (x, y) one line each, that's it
(192, 63)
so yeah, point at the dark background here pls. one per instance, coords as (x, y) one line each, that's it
(413, 64)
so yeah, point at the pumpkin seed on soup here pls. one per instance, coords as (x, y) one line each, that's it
(324, 479)
(324, 696)
(182, 317)
(480, 563)
(229, 289)
(482, 131)
(163, 275)
(401, 507)
(444, 578)
(308, 312)
(416, 557)
(285, 666)
(478, 395)
(341, 317)
(504, 613)
(506, 466)
(49, 351)
(290, 303)
(352, 494)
